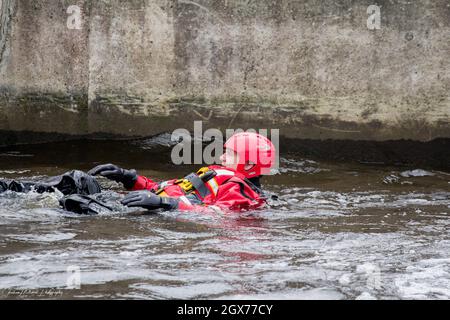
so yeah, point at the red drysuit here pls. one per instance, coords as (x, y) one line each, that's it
(228, 191)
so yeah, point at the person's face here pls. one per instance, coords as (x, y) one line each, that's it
(230, 159)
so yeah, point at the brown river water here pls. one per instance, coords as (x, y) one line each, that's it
(337, 231)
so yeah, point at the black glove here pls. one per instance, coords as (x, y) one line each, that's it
(149, 200)
(113, 172)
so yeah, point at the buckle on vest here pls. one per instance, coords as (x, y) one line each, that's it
(197, 181)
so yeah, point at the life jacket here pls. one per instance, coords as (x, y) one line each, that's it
(204, 185)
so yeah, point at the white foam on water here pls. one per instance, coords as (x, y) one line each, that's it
(301, 294)
(416, 173)
(50, 237)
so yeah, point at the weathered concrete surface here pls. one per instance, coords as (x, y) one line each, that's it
(44, 71)
(310, 68)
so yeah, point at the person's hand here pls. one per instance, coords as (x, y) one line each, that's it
(148, 200)
(113, 172)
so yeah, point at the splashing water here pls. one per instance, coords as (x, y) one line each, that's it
(336, 231)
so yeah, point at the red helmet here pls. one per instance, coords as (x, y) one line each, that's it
(254, 148)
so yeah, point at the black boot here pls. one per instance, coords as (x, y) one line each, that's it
(83, 204)
(73, 182)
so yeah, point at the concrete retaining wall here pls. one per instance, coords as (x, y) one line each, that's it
(311, 68)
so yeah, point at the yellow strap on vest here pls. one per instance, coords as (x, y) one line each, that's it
(185, 184)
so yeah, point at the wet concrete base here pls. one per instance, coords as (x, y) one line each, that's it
(433, 154)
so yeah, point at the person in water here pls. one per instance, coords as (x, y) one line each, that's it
(232, 186)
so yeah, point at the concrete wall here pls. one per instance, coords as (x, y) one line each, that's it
(311, 68)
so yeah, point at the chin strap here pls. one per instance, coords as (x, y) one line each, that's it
(255, 184)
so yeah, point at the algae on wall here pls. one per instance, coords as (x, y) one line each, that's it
(311, 69)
